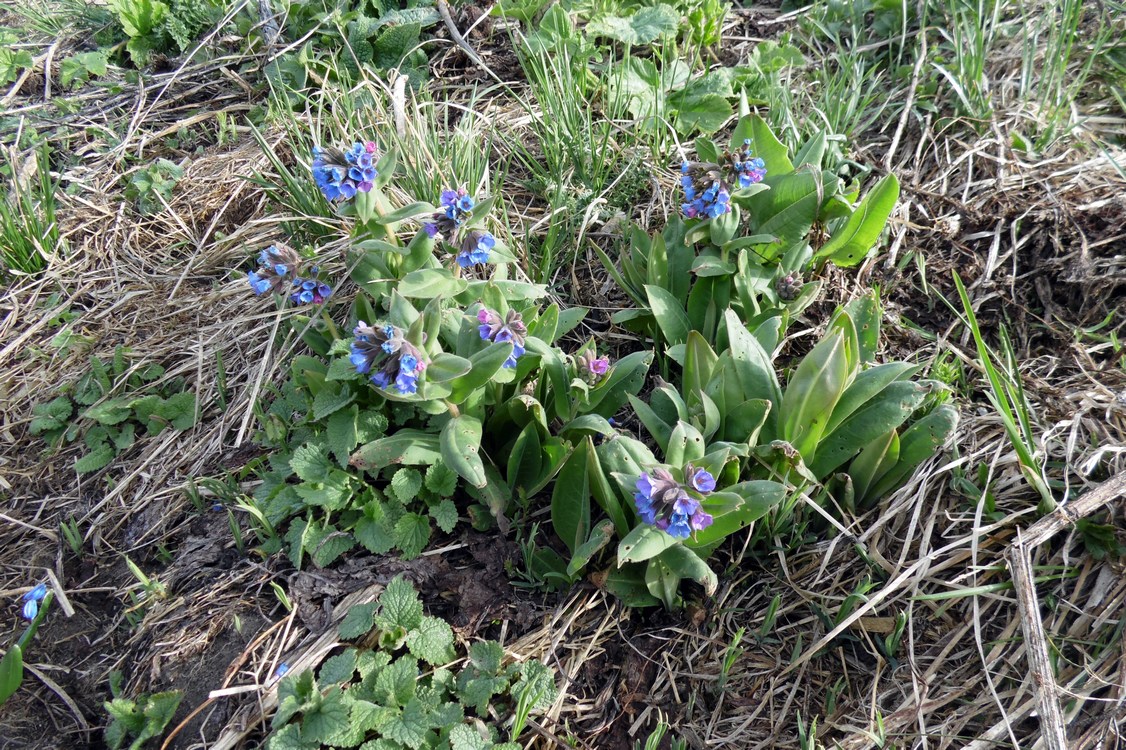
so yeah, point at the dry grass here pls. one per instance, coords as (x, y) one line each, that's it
(1027, 236)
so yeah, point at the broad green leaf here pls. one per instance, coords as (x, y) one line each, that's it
(872, 463)
(11, 672)
(851, 243)
(657, 427)
(882, 414)
(412, 534)
(445, 515)
(460, 443)
(764, 144)
(399, 606)
(645, 26)
(96, 459)
(485, 365)
(643, 543)
(685, 563)
(445, 367)
(790, 207)
(686, 444)
(410, 447)
(917, 443)
(599, 537)
(705, 114)
(759, 496)
(570, 500)
(670, 315)
(628, 584)
(432, 641)
(427, 283)
(627, 376)
(812, 393)
(358, 621)
(865, 386)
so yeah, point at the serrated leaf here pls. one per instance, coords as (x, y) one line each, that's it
(375, 530)
(445, 515)
(409, 727)
(399, 606)
(326, 544)
(96, 459)
(341, 434)
(412, 534)
(486, 656)
(396, 683)
(114, 411)
(432, 641)
(644, 26)
(339, 668)
(179, 409)
(405, 485)
(441, 480)
(359, 620)
(310, 463)
(331, 399)
(465, 737)
(326, 720)
(289, 738)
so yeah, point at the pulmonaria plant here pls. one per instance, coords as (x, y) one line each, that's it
(707, 186)
(282, 271)
(387, 357)
(672, 507)
(341, 174)
(510, 328)
(472, 245)
(591, 368)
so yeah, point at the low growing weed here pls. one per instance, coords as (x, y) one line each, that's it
(401, 692)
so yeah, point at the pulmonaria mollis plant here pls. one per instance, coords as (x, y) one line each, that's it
(509, 329)
(672, 506)
(590, 368)
(387, 357)
(707, 185)
(472, 246)
(282, 271)
(341, 174)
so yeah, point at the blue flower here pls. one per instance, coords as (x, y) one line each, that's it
(395, 360)
(341, 174)
(475, 248)
(280, 271)
(701, 481)
(31, 601)
(663, 502)
(510, 329)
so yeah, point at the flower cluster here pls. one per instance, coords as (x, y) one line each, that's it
(591, 368)
(281, 271)
(748, 169)
(672, 507)
(342, 174)
(705, 192)
(789, 286)
(707, 186)
(473, 247)
(511, 328)
(388, 357)
(31, 601)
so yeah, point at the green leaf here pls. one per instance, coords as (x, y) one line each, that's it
(644, 26)
(643, 543)
(445, 515)
(326, 544)
(341, 433)
(96, 459)
(410, 727)
(411, 447)
(460, 443)
(325, 720)
(486, 656)
(918, 442)
(464, 737)
(405, 485)
(399, 606)
(670, 315)
(486, 364)
(412, 534)
(310, 463)
(685, 563)
(139, 18)
(395, 683)
(628, 584)
(11, 672)
(441, 480)
(705, 114)
(114, 411)
(445, 367)
(851, 243)
(375, 530)
(331, 399)
(812, 393)
(764, 144)
(880, 415)
(599, 537)
(570, 500)
(179, 409)
(338, 669)
(51, 415)
(358, 621)
(289, 738)
(393, 44)
(427, 283)
(432, 641)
